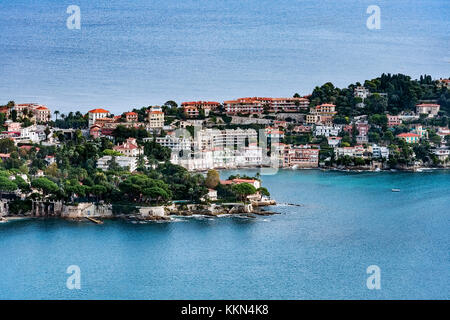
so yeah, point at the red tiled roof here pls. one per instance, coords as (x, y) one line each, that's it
(99, 110)
(406, 135)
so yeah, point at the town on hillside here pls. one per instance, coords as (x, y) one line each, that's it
(153, 155)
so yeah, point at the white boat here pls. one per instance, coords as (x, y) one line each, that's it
(395, 190)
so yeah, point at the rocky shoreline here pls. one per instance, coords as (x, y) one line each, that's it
(95, 213)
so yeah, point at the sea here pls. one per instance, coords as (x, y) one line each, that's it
(331, 231)
(132, 54)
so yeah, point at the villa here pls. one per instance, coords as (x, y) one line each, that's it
(409, 137)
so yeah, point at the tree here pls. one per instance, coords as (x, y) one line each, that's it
(263, 191)
(243, 190)
(45, 185)
(212, 179)
(7, 145)
(98, 190)
(56, 113)
(6, 185)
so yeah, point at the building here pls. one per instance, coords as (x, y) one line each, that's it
(356, 151)
(260, 104)
(361, 92)
(174, 143)
(379, 152)
(212, 148)
(443, 154)
(129, 148)
(131, 116)
(409, 137)
(288, 104)
(95, 114)
(212, 195)
(95, 131)
(125, 162)
(431, 109)
(443, 132)
(312, 118)
(253, 182)
(191, 111)
(6, 111)
(246, 105)
(334, 141)
(42, 114)
(326, 131)
(326, 109)
(192, 108)
(302, 129)
(302, 156)
(155, 117)
(393, 121)
(35, 112)
(443, 83)
(274, 133)
(418, 129)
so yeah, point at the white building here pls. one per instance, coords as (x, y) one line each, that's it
(123, 161)
(356, 151)
(361, 92)
(326, 131)
(431, 109)
(155, 117)
(442, 153)
(174, 143)
(95, 114)
(380, 152)
(334, 141)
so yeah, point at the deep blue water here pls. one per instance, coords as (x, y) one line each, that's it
(139, 53)
(317, 251)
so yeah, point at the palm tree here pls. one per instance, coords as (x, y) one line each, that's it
(56, 112)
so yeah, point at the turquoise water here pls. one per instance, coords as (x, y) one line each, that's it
(139, 53)
(320, 250)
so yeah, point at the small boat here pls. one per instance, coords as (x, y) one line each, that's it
(395, 190)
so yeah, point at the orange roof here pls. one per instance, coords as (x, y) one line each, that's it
(98, 111)
(131, 113)
(42, 108)
(407, 135)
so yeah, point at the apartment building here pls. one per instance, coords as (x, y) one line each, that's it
(379, 152)
(95, 114)
(192, 108)
(356, 151)
(302, 156)
(327, 131)
(103, 163)
(393, 121)
(155, 117)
